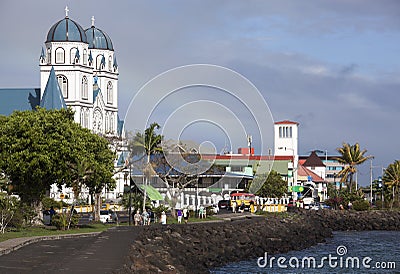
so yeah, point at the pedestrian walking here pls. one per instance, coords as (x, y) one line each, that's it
(234, 205)
(201, 212)
(163, 218)
(137, 218)
(179, 214)
(145, 217)
(350, 205)
(185, 214)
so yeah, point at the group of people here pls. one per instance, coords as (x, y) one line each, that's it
(143, 219)
(242, 207)
(238, 208)
(349, 206)
(183, 214)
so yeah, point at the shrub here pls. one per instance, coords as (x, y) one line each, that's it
(361, 205)
(61, 220)
(22, 217)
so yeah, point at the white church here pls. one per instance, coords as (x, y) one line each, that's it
(79, 70)
(86, 68)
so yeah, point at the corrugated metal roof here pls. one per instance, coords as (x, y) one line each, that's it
(12, 99)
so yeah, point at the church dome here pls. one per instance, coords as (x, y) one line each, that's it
(98, 39)
(66, 30)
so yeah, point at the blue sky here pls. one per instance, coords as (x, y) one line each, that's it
(333, 66)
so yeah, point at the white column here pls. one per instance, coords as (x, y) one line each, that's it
(198, 201)
(187, 196)
(193, 199)
(182, 200)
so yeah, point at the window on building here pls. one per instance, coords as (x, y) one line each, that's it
(84, 87)
(111, 123)
(72, 59)
(85, 57)
(109, 93)
(86, 122)
(82, 117)
(63, 83)
(285, 132)
(49, 56)
(110, 63)
(107, 125)
(99, 64)
(60, 56)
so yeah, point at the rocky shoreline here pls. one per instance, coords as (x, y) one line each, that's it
(198, 247)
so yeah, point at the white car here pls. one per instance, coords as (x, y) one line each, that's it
(107, 216)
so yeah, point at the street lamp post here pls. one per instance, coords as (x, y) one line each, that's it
(128, 188)
(130, 194)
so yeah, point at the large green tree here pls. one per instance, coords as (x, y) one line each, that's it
(391, 179)
(273, 185)
(351, 157)
(39, 148)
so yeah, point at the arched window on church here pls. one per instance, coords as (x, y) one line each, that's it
(84, 88)
(87, 118)
(111, 123)
(82, 117)
(107, 129)
(72, 56)
(109, 93)
(60, 56)
(49, 56)
(63, 83)
(100, 62)
(110, 63)
(85, 57)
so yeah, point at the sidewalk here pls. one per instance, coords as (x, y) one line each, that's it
(16, 243)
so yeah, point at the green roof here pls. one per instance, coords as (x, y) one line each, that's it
(152, 193)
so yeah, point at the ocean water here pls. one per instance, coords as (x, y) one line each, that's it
(346, 252)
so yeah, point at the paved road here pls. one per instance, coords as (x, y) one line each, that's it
(104, 253)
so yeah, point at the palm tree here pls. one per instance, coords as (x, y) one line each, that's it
(391, 178)
(81, 170)
(351, 157)
(147, 144)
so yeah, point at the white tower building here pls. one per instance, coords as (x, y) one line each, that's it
(87, 72)
(286, 144)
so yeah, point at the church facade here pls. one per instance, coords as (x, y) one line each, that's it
(81, 65)
(87, 73)
(78, 70)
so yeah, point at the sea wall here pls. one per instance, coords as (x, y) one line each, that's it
(197, 247)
